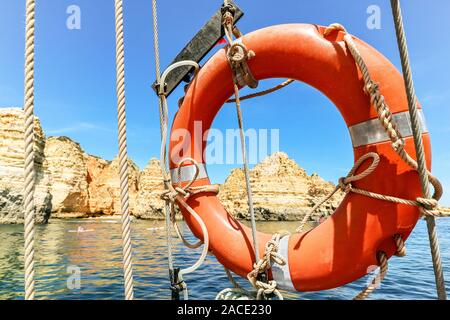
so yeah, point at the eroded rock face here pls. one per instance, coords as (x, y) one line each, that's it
(281, 191)
(12, 172)
(104, 188)
(71, 183)
(65, 167)
(148, 202)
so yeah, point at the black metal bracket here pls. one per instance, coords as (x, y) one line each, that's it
(202, 43)
(175, 284)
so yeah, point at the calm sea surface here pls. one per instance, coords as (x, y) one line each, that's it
(97, 254)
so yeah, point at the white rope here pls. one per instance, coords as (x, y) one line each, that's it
(237, 55)
(428, 205)
(123, 155)
(271, 255)
(167, 207)
(179, 195)
(417, 133)
(169, 203)
(28, 193)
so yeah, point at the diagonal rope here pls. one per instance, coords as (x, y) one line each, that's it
(383, 264)
(247, 173)
(29, 208)
(123, 156)
(375, 283)
(264, 92)
(237, 55)
(417, 133)
(428, 204)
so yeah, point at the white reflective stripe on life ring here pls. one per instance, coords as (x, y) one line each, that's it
(281, 273)
(371, 131)
(187, 173)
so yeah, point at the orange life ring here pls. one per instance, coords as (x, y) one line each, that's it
(341, 249)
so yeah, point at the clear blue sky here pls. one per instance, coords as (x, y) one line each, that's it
(75, 74)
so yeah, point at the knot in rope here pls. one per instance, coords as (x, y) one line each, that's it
(345, 183)
(272, 247)
(384, 114)
(270, 256)
(227, 17)
(267, 288)
(238, 53)
(228, 12)
(429, 207)
(172, 193)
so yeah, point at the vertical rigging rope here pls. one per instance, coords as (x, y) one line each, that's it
(167, 209)
(29, 182)
(123, 156)
(228, 19)
(420, 154)
(247, 173)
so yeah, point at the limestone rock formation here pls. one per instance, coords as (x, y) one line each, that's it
(281, 191)
(148, 202)
(11, 168)
(65, 168)
(71, 183)
(104, 187)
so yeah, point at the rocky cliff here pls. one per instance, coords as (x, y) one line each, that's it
(104, 188)
(281, 191)
(148, 204)
(65, 169)
(11, 168)
(71, 183)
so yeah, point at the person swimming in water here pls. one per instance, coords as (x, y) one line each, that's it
(80, 229)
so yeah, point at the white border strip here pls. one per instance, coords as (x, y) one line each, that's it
(281, 274)
(188, 173)
(372, 131)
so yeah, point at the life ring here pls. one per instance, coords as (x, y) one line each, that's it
(344, 247)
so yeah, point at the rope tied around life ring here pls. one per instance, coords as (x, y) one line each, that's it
(264, 289)
(172, 193)
(237, 53)
(270, 256)
(180, 194)
(386, 119)
(427, 206)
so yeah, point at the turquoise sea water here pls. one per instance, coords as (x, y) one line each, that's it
(97, 256)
